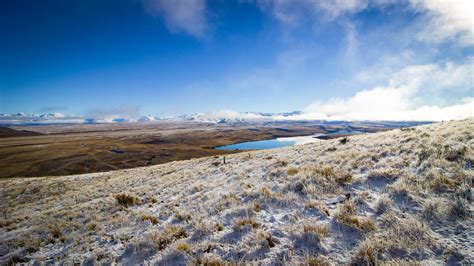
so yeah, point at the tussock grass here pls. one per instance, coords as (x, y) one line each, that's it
(169, 234)
(406, 234)
(183, 247)
(213, 261)
(92, 226)
(292, 171)
(319, 206)
(244, 222)
(322, 231)
(384, 203)
(347, 215)
(149, 217)
(271, 241)
(126, 200)
(316, 261)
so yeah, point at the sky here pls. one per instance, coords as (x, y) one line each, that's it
(334, 59)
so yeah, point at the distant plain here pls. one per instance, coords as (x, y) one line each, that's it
(80, 148)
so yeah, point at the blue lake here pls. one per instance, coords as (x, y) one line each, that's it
(257, 145)
(280, 142)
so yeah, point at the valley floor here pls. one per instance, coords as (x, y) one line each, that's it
(393, 197)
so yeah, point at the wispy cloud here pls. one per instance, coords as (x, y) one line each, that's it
(187, 16)
(291, 11)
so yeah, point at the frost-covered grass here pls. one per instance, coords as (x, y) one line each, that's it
(402, 196)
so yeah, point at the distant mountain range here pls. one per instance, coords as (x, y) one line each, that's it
(214, 117)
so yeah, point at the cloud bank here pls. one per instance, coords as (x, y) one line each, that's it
(414, 93)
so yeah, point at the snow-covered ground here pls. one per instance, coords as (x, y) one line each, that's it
(398, 196)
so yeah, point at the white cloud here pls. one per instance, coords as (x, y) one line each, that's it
(188, 16)
(414, 93)
(447, 20)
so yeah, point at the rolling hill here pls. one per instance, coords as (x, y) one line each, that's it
(6, 132)
(400, 196)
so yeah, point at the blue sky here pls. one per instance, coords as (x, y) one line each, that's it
(355, 59)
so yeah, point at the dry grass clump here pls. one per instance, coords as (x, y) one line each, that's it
(126, 200)
(365, 224)
(266, 192)
(181, 216)
(346, 215)
(441, 182)
(183, 247)
(348, 207)
(292, 171)
(316, 261)
(435, 209)
(384, 174)
(169, 234)
(268, 238)
(32, 245)
(368, 252)
(384, 203)
(325, 171)
(455, 152)
(326, 178)
(401, 235)
(219, 227)
(322, 231)
(149, 217)
(244, 222)
(56, 232)
(406, 184)
(257, 207)
(92, 226)
(319, 206)
(328, 172)
(209, 261)
(461, 209)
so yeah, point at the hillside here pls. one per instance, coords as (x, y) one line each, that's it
(396, 196)
(6, 132)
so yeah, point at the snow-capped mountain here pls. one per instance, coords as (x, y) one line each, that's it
(50, 118)
(228, 116)
(223, 116)
(215, 117)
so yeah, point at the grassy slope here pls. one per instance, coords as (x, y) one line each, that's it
(391, 196)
